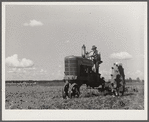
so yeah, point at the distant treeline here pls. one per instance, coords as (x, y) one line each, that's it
(128, 80)
(34, 82)
(55, 81)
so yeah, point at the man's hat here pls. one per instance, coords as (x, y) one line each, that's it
(94, 47)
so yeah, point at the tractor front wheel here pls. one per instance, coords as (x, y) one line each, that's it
(74, 91)
(65, 90)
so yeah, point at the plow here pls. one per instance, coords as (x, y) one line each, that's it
(80, 70)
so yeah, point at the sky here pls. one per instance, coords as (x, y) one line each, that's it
(38, 37)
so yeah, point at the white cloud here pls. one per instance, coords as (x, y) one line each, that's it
(33, 23)
(121, 55)
(13, 61)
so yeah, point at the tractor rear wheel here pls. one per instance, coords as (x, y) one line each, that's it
(118, 80)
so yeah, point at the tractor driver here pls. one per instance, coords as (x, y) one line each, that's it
(96, 58)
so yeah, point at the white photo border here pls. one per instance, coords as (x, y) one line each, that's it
(73, 114)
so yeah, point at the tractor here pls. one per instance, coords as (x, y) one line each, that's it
(79, 70)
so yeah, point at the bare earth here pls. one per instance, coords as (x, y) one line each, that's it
(32, 96)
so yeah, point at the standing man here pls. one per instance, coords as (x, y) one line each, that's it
(96, 58)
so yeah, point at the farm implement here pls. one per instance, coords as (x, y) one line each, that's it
(80, 70)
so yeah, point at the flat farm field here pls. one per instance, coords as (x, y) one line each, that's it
(49, 96)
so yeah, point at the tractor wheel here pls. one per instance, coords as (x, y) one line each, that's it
(73, 91)
(65, 90)
(70, 94)
(70, 91)
(118, 79)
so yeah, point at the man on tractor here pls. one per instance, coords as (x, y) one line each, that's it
(96, 58)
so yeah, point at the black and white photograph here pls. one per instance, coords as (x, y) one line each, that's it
(74, 61)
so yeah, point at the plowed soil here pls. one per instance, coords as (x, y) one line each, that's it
(35, 96)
